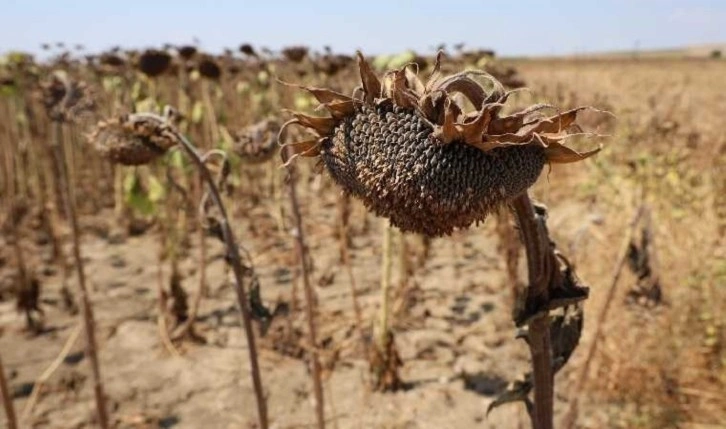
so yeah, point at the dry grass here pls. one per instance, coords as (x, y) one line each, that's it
(666, 364)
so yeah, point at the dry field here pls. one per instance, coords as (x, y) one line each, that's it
(172, 351)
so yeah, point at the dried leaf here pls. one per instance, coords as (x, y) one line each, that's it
(557, 123)
(321, 125)
(340, 109)
(557, 153)
(474, 130)
(371, 84)
(306, 148)
(447, 133)
(467, 87)
(516, 391)
(435, 74)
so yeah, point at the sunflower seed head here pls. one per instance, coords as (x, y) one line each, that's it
(257, 143)
(414, 153)
(65, 99)
(133, 139)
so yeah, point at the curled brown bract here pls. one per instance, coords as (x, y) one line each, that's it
(483, 127)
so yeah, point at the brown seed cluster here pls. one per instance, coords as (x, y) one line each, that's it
(387, 156)
(412, 152)
(133, 139)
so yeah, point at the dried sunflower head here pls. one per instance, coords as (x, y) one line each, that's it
(134, 139)
(247, 49)
(295, 53)
(413, 152)
(153, 62)
(209, 68)
(257, 143)
(187, 51)
(66, 99)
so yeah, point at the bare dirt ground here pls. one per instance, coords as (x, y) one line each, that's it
(456, 341)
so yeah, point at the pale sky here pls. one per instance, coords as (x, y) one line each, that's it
(525, 27)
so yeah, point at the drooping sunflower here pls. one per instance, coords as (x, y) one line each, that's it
(435, 156)
(133, 139)
(257, 143)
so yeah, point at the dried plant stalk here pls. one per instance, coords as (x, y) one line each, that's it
(234, 259)
(540, 347)
(7, 399)
(310, 300)
(344, 237)
(86, 306)
(139, 139)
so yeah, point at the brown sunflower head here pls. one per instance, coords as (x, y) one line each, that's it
(295, 53)
(414, 153)
(153, 62)
(257, 143)
(187, 52)
(111, 60)
(209, 68)
(134, 139)
(66, 99)
(247, 49)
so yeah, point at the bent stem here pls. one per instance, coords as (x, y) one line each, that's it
(68, 195)
(301, 249)
(539, 267)
(240, 273)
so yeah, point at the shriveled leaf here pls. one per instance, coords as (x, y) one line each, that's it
(307, 148)
(557, 153)
(435, 74)
(473, 131)
(515, 392)
(557, 123)
(340, 109)
(448, 132)
(371, 84)
(466, 86)
(321, 125)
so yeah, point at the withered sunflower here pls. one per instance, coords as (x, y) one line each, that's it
(133, 139)
(257, 143)
(414, 153)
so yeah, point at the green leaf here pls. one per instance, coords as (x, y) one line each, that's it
(157, 192)
(176, 160)
(136, 197)
(197, 112)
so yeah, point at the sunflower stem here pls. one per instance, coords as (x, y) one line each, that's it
(10, 418)
(539, 254)
(234, 259)
(382, 337)
(301, 249)
(69, 200)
